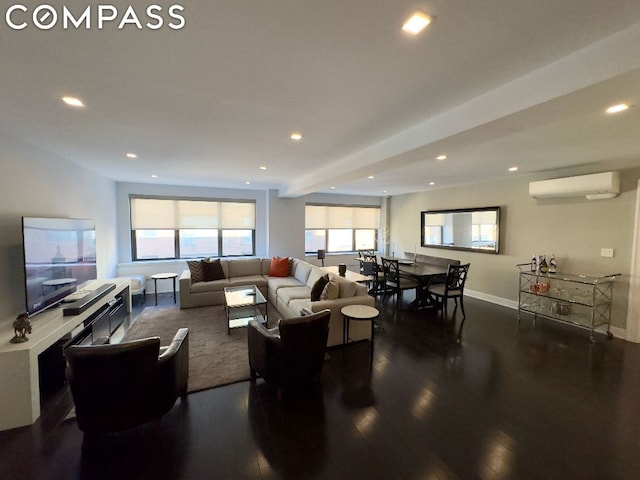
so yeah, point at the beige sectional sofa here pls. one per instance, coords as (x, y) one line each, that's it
(288, 294)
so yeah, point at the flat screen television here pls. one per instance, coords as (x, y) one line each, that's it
(59, 256)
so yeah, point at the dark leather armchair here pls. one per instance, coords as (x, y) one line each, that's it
(120, 386)
(291, 354)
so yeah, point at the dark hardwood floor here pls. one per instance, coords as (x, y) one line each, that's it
(531, 403)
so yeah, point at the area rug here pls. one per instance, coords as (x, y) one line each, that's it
(215, 357)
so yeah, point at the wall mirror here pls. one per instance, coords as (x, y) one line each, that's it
(471, 229)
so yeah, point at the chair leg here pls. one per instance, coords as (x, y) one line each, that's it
(462, 306)
(459, 335)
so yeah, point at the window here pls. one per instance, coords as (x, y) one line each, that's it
(174, 228)
(341, 229)
(433, 234)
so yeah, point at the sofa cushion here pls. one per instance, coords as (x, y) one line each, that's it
(318, 287)
(279, 267)
(214, 286)
(331, 291)
(276, 283)
(257, 280)
(299, 304)
(212, 270)
(243, 268)
(195, 267)
(347, 288)
(285, 295)
(314, 275)
(302, 272)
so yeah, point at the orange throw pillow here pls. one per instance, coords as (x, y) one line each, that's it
(279, 267)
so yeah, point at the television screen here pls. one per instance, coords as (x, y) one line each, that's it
(59, 256)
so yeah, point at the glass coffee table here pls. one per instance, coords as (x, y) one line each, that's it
(243, 304)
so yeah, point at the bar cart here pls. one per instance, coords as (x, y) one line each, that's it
(580, 300)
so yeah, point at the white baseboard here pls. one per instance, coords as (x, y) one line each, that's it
(505, 302)
(619, 332)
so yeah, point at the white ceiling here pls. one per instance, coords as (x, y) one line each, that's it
(492, 84)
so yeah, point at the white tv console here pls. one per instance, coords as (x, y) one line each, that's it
(19, 375)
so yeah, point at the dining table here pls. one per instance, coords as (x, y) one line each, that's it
(425, 274)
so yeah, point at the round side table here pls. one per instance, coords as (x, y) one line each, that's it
(358, 313)
(164, 276)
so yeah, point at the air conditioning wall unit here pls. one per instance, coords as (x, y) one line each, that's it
(596, 186)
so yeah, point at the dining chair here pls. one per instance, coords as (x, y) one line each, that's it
(370, 267)
(394, 281)
(453, 287)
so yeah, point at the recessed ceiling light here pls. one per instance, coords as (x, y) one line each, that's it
(332, 188)
(73, 101)
(621, 107)
(263, 167)
(248, 183)
(416, 23)
(154, 176)
(513, 169)
(385, 191)
(296, 136)
(131, 155)
(441, 157)
(432, 183)
(371, 177)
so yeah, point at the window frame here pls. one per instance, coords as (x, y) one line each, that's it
(176, 231)
(327, 230)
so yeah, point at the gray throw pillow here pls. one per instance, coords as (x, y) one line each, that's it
(195, 267)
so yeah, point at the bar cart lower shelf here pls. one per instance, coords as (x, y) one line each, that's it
(579, 300)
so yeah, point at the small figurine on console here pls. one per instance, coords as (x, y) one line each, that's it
(21, 326)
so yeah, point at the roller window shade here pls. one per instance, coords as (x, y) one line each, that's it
(238, 215)
(434, 220)
(198, 214)
(479, 218)
(159, 214)
(148, 213)
(321, 217)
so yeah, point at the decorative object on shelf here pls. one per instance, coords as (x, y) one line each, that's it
(553, 264)
(539, 287)
(534, 263)
(544, 268)
(560, 308)
(21, 326)
(321, 255)
(342, 269)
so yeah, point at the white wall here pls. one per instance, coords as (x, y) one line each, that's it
(573, 229)
(36, 183)
(286, 226)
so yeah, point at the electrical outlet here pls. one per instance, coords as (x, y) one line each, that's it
(606, 252)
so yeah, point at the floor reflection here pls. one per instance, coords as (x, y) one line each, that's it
(290, 434)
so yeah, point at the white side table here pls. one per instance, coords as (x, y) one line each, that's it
(164, 276)
(358, 313)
